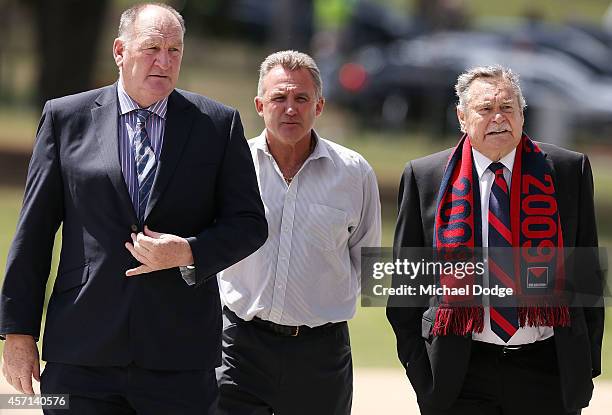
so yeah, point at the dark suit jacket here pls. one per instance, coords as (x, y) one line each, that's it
(205, 189)
(436, 366)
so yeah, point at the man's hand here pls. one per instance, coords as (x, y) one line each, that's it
(157, 251)
(20, 362)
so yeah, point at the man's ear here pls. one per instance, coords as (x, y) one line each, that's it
(461, 118)
(259, 106)
(118, 51)
(319, 107)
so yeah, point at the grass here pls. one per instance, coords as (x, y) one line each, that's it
(555, 10)
(18, 128)
(10, 202)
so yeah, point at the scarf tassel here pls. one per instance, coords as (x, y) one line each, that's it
(544, 316)
(459, 321)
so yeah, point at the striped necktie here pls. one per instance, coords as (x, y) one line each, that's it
(145, 161)
(504, 320)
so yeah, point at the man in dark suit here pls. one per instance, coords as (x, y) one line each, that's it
(156, 192)
(497, 360)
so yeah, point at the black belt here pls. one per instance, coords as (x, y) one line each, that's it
(512, 350)
(281, 329)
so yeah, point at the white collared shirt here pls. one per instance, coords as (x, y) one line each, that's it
(308, 271)
(486, 177)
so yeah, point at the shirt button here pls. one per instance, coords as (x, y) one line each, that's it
(134, 228)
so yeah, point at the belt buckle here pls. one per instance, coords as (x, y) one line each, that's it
(297, 331)
(506, 350)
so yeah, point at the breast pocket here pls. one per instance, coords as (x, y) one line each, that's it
(326, 227)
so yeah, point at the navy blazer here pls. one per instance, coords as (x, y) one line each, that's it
(436, 366)
(205, 190)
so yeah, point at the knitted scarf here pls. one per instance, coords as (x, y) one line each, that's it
(535, 227)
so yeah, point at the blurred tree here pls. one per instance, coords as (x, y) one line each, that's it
(67, 32)
(293, 25)
(282, 24)
(207, 17)
(7, 12)
(442, 14)
(332, 13)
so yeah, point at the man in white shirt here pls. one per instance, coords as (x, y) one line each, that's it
(286, 346)
(499, 189)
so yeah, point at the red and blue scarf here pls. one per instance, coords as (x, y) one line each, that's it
(535, 227)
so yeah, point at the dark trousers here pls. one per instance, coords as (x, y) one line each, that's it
(523, 382)
(131, 390)
(264, 372)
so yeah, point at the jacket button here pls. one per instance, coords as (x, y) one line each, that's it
(134, 228)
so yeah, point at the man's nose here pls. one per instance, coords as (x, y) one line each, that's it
(290, 109)
(163, 59)
(498, 117)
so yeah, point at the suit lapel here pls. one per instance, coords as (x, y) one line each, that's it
(105, 119)
(551, 165)
(179, 119)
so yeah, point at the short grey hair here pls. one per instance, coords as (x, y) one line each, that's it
(128, 17)
(292, 61)
(494, 72)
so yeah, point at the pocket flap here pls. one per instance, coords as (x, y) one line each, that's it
(71, 279)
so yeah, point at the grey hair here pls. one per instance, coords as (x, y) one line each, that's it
(128, 17)
(293, 61)
(494, 72)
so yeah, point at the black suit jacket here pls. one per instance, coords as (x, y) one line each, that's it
(436, 366)
(205, 189)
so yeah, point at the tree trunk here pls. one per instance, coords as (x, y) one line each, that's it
(292, 26)
(68, 32)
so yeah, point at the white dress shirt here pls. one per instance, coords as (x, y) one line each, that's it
(308, 271)
(525, 334)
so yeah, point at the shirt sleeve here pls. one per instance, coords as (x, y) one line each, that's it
(368, 232)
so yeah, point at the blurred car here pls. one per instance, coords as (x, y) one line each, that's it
(371, 23)
(412, 80)
(584, 43)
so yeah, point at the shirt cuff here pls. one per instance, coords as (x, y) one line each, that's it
(189, 274)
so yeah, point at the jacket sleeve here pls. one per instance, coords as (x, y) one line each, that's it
(29, 258)
(587, 238)
(240, 225)
(406, 321)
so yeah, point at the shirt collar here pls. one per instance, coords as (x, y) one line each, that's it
(482, 162)
(320, 150)
(127, 104)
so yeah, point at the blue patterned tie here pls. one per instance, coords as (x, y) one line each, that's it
(504, 320)
(145, 161)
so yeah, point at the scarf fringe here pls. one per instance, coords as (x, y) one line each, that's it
(459, 321)
(544, 316)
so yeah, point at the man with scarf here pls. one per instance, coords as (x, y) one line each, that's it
(497, 188)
